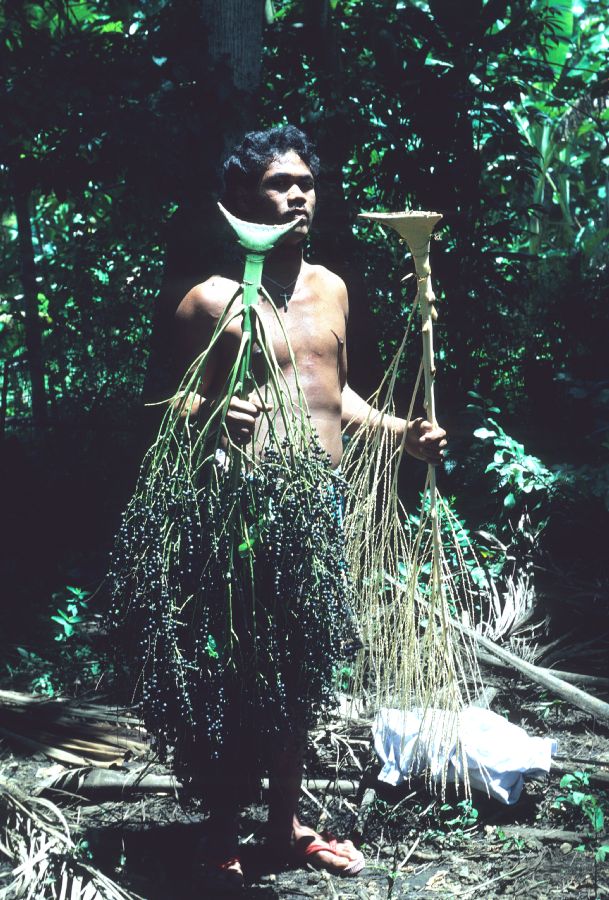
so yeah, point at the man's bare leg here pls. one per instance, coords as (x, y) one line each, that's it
(223, 801)
(287, 836)
(223, 839)
(284, 793)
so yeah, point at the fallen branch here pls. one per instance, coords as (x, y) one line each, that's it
(545, 835)
(569, 677)
(365, 808)
(579, 761)
(569, 692)
(98, 784)
(598, 779)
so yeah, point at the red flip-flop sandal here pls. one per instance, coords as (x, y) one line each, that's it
(328, 845)
(222, 876)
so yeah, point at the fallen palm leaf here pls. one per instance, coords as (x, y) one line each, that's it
(35, 838)
(69, 732)
(510, 610)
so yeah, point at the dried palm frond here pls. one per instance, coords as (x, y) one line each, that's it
(510, 610)
(72, 733)
(47, 865)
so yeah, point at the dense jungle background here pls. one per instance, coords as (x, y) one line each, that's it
(116, 116)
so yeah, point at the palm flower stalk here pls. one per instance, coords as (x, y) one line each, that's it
(411, 582)
(228, 575)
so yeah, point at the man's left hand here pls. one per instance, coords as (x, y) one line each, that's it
(425, 441)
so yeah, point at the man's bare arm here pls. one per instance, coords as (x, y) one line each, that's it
(356, 412)
(423, 440)
(195, 322)
(193, 328)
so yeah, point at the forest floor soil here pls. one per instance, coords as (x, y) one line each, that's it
(416, 844)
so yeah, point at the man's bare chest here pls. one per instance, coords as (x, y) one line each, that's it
(313, 327)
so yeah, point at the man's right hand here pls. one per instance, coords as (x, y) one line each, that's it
(241, 417)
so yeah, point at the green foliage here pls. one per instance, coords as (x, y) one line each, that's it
(450, 823)
(462, 547)
(416, 106)
(592, 806)
(211, 647)
(83, 849)
(45, 685)
(518, 471)
(510, 842)
(562, 117)
(39, 672)
(94, 162)
(510, 96)
(70, 614)
(76, 663)
(427, 94)
(342, 678)
(529, 484)
(96, 306)
(446, 824)
(463, 815)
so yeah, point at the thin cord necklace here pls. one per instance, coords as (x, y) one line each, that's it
(285, 290)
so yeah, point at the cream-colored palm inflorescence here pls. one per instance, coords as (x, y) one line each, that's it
(410, 583)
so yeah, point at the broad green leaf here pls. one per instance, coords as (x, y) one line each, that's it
(597, 818)
(484, 433)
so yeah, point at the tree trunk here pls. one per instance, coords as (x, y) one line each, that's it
(235, 35)
(196, 240)
(333, 242)
(3, 397)
(33, 330)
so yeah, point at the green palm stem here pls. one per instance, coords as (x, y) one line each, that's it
(258, 240)
(170, 455)
(179, 407)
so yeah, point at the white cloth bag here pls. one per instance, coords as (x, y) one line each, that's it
(496, 753)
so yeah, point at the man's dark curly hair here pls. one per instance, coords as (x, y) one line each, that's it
(249, 159)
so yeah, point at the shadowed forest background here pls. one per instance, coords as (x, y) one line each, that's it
(116, 116)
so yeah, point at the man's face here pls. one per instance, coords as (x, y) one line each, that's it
(286, 191)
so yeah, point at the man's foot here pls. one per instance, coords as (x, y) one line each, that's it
(217, 869)
(323, 851)
(222, 878)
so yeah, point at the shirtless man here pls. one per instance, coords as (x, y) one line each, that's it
(270, 178)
